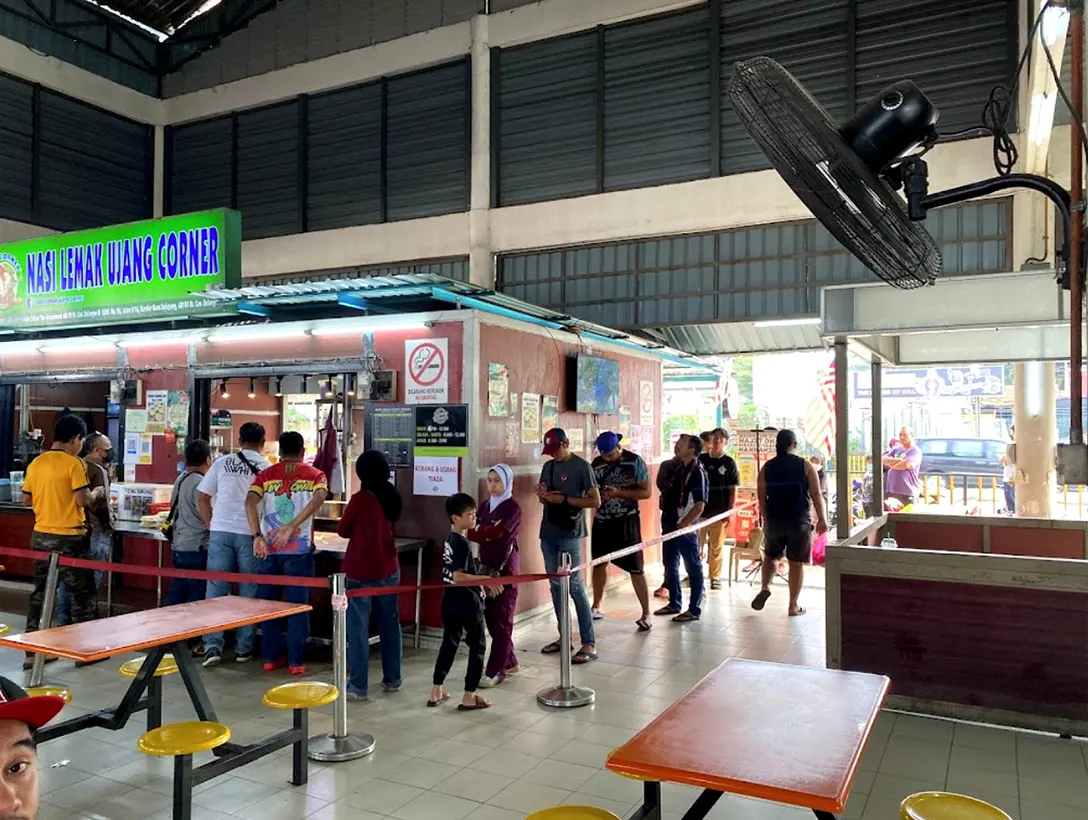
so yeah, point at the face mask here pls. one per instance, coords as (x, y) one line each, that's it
(106, 459)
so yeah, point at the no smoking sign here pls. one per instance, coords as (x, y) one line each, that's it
(426, 365)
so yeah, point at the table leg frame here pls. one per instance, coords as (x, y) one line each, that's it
(651, 802)
(651, 805)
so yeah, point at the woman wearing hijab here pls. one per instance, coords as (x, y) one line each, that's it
(371, 561)
(498, 520)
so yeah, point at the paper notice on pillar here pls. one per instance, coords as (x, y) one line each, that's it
(135, 421)
(577, 439)
(426, 371)
(156, 410)
(530, 419)
(512, 443)
(130, 472)
(132, 448)
(646, 404)
(145, 448)
(435, 476)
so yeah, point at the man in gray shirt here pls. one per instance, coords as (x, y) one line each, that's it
(568, 487)
(190, 541)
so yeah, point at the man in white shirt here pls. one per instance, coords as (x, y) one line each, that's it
(230, 546)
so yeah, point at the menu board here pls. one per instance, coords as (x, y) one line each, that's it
(389, 429)
(441, 430)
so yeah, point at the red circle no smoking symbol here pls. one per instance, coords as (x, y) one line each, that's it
(427, 365)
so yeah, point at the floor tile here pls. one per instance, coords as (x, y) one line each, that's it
(526, 798)
(559, 774)
(283, 805)
(381, 796)
(473, 786)
(423, 774)
(435, 806)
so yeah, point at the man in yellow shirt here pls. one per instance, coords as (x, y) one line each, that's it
(56, 487)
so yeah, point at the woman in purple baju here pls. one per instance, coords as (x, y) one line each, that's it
(498, 521)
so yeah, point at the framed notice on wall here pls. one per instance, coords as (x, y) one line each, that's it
(390, 429)
(441, 430)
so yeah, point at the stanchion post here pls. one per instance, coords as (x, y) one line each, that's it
(46, 620)
(566, 695)
(340, 746)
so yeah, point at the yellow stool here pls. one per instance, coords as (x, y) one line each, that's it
(167, 666)
(4, 630)
(181, 741)
(946, 806)
(300, 697)
(573, 813)
(58, 691)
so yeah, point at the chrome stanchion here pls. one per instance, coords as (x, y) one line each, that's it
(46, 620)
(566, 695)
(340, 746)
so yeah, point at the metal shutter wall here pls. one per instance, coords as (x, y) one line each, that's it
(344, 158)
(16, 149)
(427, 142)
(657, 101)
(955, 50)
(93, 166)
(199, 176)
(808, 37)
(269, 156)
(547, 110)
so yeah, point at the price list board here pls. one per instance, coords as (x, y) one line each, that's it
(390, 429)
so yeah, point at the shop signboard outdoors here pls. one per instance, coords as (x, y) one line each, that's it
(934, 382)
(120, 273)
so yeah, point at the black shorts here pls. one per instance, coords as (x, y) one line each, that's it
(792, 540)
(615, 534)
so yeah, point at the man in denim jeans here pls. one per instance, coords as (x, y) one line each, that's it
(230, 547)
(568, 487)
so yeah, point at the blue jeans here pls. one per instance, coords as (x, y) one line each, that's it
(387, 621)
(184, 590)
(572, 547)
(298, 626)
(100, 551)
(687, 548)
(230, 552)
(1010, 497)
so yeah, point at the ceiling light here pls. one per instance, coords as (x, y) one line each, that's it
(1042, 117)
(156, 341)
(252, 389)
(1055, 23)
(223, 389)
(361, 327)
(797, 322)
(20, 348)
(255, 334)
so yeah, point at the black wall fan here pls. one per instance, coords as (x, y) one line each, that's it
(849, 176)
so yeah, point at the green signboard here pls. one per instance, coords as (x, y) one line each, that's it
(122, 273)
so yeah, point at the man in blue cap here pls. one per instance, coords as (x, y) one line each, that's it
(624, 481)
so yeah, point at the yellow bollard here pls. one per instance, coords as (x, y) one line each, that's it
(1079, 512)
(993, 493)
(951, 491)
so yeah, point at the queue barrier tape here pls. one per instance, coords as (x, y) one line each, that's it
(323, 582)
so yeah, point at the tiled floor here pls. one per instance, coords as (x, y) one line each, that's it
(501, 764)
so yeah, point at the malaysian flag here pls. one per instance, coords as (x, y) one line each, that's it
(820, 415)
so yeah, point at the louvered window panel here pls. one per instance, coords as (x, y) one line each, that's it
(427, 142)
(657, 101)
(199, 176)
(94, 167)
(16, 149)
(545, 98)
(955, 50)
(269, 157)
(344, 158)
(808, 37)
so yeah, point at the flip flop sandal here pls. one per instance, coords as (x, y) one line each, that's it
(443, 699)
(643, 625)
(479, 703)
(685, 617)
(581, 656)
(760, 600)
(667, 610)
(800, 611)
(551, 649)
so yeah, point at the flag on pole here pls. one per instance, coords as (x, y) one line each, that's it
(820, 415)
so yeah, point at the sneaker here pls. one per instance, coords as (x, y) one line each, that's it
(297, 670)
(272, 666)
(715, 583)
(355, 697)
(489, 683)
(391, 687)
(242, 657)
(211, 658)
(597, 614)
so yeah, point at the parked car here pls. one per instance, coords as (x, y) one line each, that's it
(961, 456)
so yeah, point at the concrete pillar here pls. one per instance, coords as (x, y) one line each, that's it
(877, 445)
(481, 264)
(844, 496)
(1035, 418)
(158, 181)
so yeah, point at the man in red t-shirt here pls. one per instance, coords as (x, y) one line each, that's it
(280, 508)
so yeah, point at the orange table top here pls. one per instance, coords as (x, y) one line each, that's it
(791, 734)
(95, 640)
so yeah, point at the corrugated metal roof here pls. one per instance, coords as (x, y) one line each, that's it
(728, 338)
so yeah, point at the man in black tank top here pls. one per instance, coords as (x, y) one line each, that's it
(789, 488)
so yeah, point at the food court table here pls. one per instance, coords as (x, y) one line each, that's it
(790, 734)
(162, 630)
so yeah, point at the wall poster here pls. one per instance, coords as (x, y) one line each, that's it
(646, 404)
(549, 412)
(156, 410)
(530, 419)
(498, 390)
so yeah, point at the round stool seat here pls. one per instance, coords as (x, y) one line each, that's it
(167, 666)
(55, 691)
(946, 806)
(4, 630)
(573, 813)
(183, 738)
(300, 695)
(625, 774)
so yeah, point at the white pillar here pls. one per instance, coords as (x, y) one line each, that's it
(1035, 417)
(481, 265)
(158, 195)
(844, 503)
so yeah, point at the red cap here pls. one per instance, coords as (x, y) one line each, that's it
(553, 440)
(35, 712)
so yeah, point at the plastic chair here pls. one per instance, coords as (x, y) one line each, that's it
(948, 806)
(57, 691)
(181, 741)
(167, 666)
(300, 697)
(573, 813)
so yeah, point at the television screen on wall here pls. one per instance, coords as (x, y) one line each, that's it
(597, 385)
